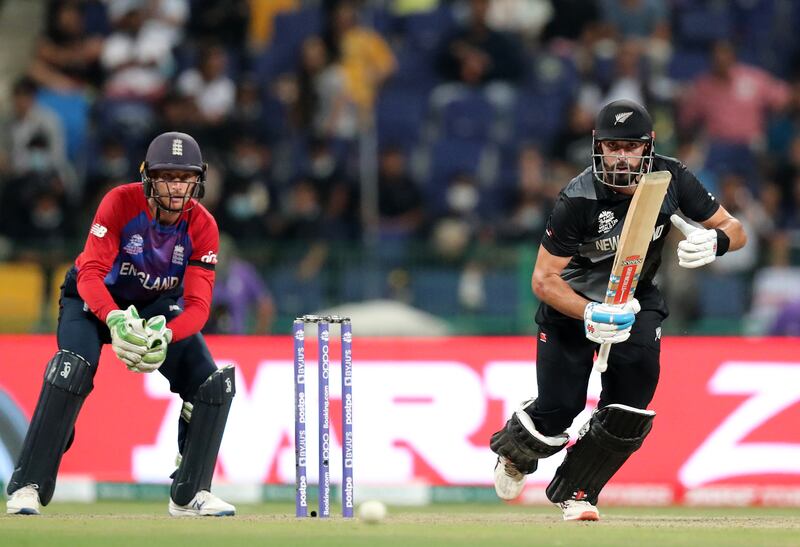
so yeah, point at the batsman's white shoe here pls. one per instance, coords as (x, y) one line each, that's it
(508, 480)
(24, 501)
(204, 504)
(579, 510)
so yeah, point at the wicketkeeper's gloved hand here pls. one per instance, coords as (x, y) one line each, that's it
(158, 338)
(700, 246)
(128, 335)
(609, 323)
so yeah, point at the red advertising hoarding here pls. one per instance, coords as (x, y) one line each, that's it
(424, 408)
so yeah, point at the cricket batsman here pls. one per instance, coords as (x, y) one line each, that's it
(570, 279)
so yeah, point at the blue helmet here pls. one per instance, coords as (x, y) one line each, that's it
(177, 151)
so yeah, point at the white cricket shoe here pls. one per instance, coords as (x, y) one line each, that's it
(24, 501)
(579, 510)
(508, 480)
(204, 504)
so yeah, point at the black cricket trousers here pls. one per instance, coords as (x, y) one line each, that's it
(564, 360)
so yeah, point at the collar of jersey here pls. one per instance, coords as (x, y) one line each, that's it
(606, 193)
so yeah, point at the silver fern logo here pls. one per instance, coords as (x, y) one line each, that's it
(622, 117)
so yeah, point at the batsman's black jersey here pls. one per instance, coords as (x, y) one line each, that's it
(586, 224)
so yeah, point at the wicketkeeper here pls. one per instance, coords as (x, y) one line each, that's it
(150, 244)
(570, 279)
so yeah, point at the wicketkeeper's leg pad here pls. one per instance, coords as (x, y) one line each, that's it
(68, 379)
(207, 424)
(614, 433)
(521, 444)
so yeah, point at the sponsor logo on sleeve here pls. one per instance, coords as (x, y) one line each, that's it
(209, 258)
(98, 230)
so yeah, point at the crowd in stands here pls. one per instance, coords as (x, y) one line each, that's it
(477, 112)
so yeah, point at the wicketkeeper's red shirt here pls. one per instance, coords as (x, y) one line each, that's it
(130, 257)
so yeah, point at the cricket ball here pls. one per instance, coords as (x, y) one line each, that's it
(372, 511)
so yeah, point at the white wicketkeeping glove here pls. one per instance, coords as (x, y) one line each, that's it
(128, 335)
(700, 246)
(609, 323)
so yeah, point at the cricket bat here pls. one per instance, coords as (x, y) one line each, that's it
(637, 232)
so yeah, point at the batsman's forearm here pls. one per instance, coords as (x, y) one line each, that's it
(735, 232)
(555, 292)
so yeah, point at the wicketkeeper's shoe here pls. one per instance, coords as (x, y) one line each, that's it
(579, 510)
(24, 501)
(508, 480)
(204, 504)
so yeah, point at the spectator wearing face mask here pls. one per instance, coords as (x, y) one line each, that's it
(28, 120)
(337, 192)
(302, 222)
(528, 203)
(111, 166)
(458, 228)
(248, 200)
(400, 202)
(34, 203)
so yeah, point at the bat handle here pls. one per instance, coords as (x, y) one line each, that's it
(601, 363)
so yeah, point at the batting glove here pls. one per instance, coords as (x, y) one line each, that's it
(609, 323)
(700, 246)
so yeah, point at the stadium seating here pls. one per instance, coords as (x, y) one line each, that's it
(702, 25)
(399, 115)
(467, 115)
(293, 295)
(688, 63)
(502, 293)
(282, 54)
(435, 290)
(448, 158)
(73, 112)
(722, 295)
(425, 30)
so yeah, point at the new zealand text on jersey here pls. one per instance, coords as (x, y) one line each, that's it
(149, 283)
(610, 243)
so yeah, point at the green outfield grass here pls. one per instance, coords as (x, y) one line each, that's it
(145, 525)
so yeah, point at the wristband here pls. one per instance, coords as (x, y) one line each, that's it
(723, 242)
